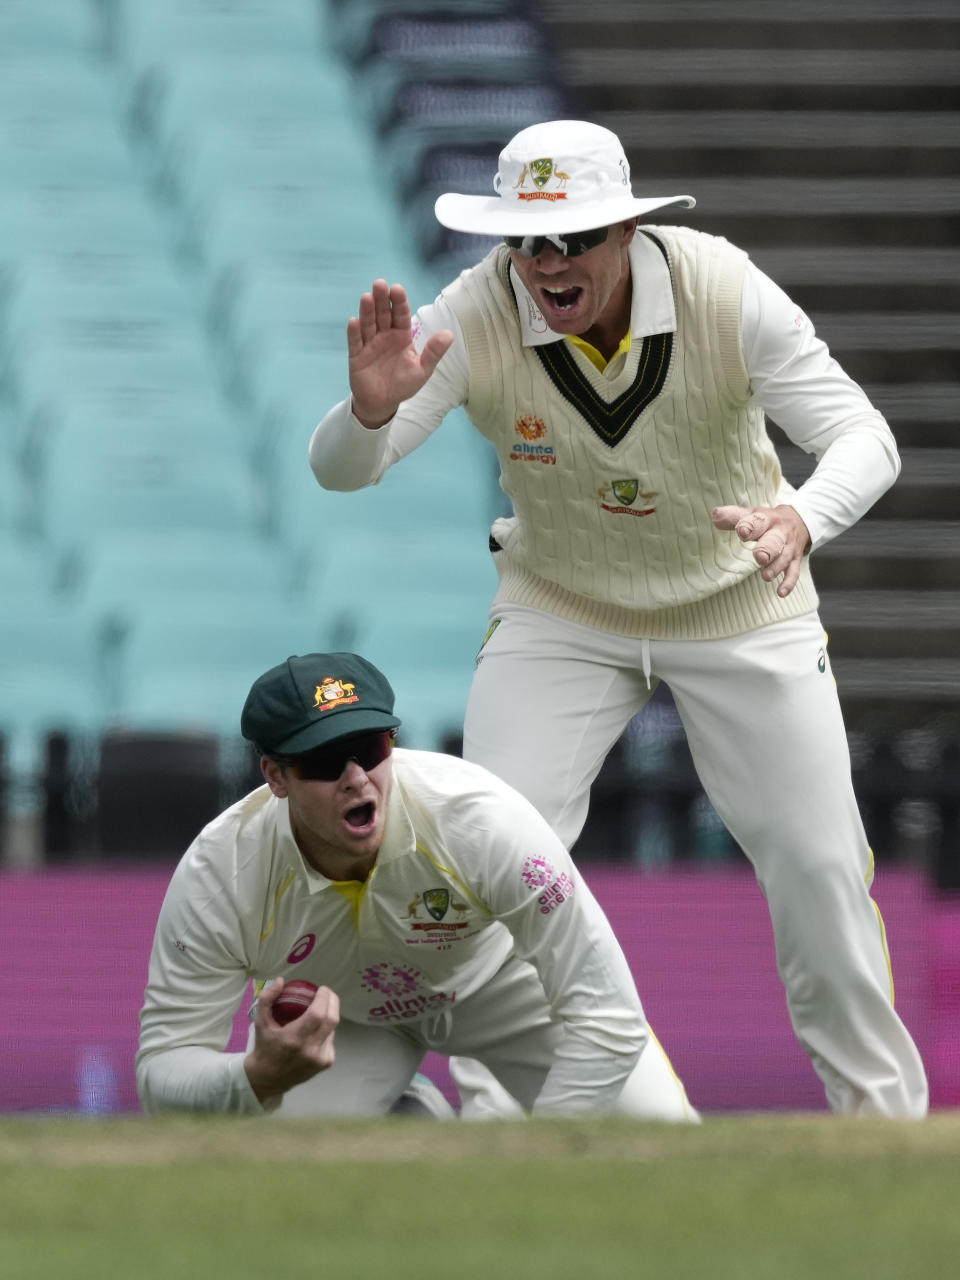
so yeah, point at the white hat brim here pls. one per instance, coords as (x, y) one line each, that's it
(494, 216)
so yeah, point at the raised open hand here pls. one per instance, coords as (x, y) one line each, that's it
(385, 367)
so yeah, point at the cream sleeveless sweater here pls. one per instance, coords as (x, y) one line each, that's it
(613, 481)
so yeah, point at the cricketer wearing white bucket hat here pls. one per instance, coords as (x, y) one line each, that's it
(623, 374)
(555, 177)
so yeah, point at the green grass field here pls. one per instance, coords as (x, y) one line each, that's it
(773, 1197)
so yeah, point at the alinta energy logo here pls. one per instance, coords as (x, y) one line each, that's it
(537, 872)
(531, 428)
(402, 987)
(557, 886)
(390, 979)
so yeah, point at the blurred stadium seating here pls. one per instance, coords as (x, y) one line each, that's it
(193, 203)
(47, 29)
(141, 32)
(51, 678)
(13, 496)
(196, 192)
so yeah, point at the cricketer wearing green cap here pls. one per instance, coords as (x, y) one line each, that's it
(387, 903)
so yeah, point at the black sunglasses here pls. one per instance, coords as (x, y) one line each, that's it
(326, 764)
(571, 244)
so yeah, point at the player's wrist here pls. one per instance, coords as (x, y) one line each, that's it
(371, 418)
(263, 1081)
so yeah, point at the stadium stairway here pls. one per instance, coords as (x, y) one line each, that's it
(824, 139)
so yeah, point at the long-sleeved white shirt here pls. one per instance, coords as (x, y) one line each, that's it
(793, 377)
(468, 875)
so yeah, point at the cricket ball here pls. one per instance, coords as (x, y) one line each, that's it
(294, 999)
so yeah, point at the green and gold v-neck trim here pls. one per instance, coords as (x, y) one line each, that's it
(609, 420)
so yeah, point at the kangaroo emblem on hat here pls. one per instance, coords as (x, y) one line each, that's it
(331, 689)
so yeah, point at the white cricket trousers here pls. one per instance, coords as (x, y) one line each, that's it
(762, 718)
(506, 1026)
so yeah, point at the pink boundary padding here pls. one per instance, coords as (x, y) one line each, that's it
(74, 947)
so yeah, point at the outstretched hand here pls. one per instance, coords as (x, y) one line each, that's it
(385, 367)
(780, 535)
(286, 1055)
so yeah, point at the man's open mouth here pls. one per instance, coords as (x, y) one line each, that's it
(563, 299)
(360, 815)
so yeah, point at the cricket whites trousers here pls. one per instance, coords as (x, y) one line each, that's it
(763, 722)
(506, 1026)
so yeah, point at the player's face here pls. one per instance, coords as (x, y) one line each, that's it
(588, 292)
(338, 823)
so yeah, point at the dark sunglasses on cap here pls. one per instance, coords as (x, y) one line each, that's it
(571, 244)
(326, 764)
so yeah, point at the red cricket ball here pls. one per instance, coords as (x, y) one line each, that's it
(294, 999)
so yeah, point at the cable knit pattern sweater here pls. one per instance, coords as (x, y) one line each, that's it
(613, 479)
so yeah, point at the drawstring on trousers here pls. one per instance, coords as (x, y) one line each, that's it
(437, 1029)
(645, 659)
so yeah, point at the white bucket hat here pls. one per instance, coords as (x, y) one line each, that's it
(562, 175)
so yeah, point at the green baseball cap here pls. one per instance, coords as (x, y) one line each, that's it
(314, 699)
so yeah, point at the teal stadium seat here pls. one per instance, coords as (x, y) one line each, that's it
(284, 30)
(12, 432)
(19, 433)
(103, 289)
(204, 159)
(51, 679)
(13, 497)
(315, 214)
(287, 329)
(148, 577)
(428, 658)
(111, 485)
(47, 27)
(159, 574)
(286, 299)
(70, 314)
(192, 428)
(117, 219)
(173, 92)
(358, 572)
(144, 353)
(55, 151)
(192, 671)
(305, 299)
(446, 488)
(29, 572)
(288, 388)
(47, 86)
